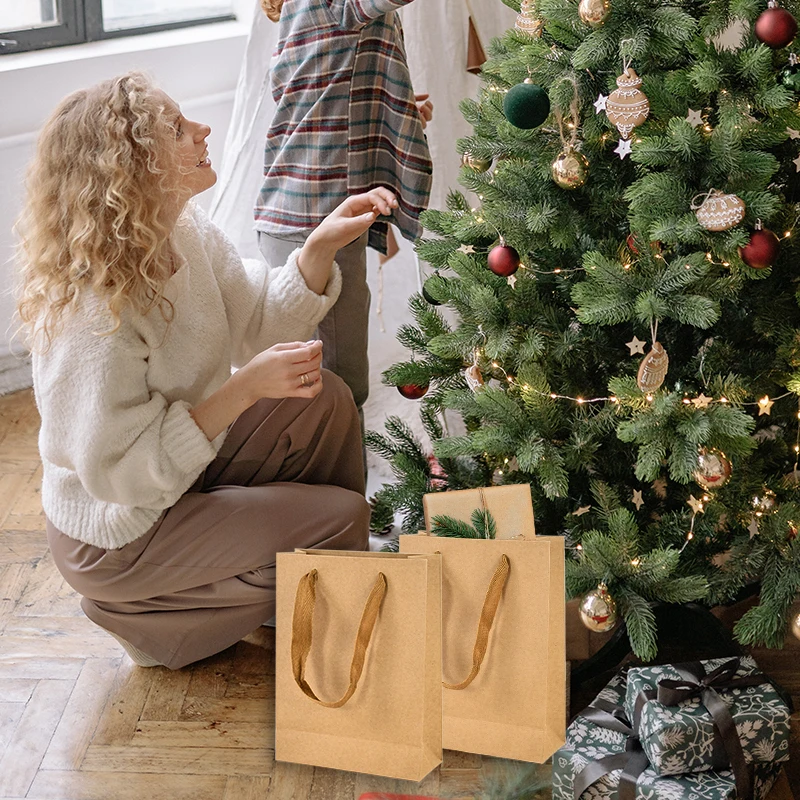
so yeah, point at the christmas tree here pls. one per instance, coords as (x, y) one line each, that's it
(624, 290)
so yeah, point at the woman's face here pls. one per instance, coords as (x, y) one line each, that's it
(194, 170)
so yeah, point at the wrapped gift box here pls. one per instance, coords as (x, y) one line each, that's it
(588, 742)
(683, 738)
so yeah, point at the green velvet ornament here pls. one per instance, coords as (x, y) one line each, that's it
(526, 105)
(790, 77)
(429, 298)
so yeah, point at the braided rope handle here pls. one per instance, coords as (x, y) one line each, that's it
(302, 630)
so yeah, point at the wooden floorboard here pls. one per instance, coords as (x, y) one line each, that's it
(79, 721)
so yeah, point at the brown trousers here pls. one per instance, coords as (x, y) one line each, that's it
(289, 474)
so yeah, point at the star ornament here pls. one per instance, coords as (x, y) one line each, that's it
(701, 401)
(581, 511)
(792, 133)
(696, 505)
(623, 148)
(694, 118)
(511, 280)
(796, 162)
(635, 346)
(765, 406)
(466, 248)
(637, 498)
(600, 103)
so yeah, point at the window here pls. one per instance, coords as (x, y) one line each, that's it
(34, 24)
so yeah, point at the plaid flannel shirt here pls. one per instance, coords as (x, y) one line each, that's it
(346, 120)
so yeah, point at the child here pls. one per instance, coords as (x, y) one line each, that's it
(347, 121)
(170, 483)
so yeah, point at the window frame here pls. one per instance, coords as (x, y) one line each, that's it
(82, 21)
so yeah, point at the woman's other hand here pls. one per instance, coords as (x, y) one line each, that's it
(288, 369)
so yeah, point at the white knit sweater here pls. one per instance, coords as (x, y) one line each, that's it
(117, 442)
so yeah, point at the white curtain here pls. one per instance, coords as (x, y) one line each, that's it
(436, 42)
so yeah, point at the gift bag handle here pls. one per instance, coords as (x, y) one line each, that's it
(302, 628)
(490, 603)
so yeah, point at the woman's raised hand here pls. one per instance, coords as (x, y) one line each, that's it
(350, 219)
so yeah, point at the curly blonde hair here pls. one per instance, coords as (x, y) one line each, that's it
(97, 190)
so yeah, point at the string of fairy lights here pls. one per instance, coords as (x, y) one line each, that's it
(700, 402)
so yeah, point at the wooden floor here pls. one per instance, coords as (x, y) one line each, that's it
(78, 721)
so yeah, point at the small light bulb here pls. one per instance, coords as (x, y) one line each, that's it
(649, 398)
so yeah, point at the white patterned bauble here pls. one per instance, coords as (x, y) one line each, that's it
(627, 106)
(528, 21)
(719, 211)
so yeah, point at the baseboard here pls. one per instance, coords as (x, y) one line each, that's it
(15, 373)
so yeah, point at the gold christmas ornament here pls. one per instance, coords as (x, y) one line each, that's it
(719, 211)
(594, 12)
(764, 502)
(571, 169)
(796, 626)
(627, 106)
(713, 468)
(598, 610)
(527, 21)
(653, 368)
(476, 163)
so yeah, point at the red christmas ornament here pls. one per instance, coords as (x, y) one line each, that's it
(503, 260)
(775, 27)
(630, 242)
(411, 391)
(762, 249)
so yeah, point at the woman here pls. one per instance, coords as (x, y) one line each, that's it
(170, 482)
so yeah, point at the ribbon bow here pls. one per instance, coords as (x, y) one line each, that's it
(727, 749)
(633, 762)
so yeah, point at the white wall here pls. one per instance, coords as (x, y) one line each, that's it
(197, 66)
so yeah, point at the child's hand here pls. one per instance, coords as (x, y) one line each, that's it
(350, 219)
(425, 108)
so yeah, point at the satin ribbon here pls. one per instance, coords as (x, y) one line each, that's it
(633, 762)
(727, 749)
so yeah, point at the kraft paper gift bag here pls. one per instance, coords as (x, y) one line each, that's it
(504, 687)
(358, 661)
(510, 506)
